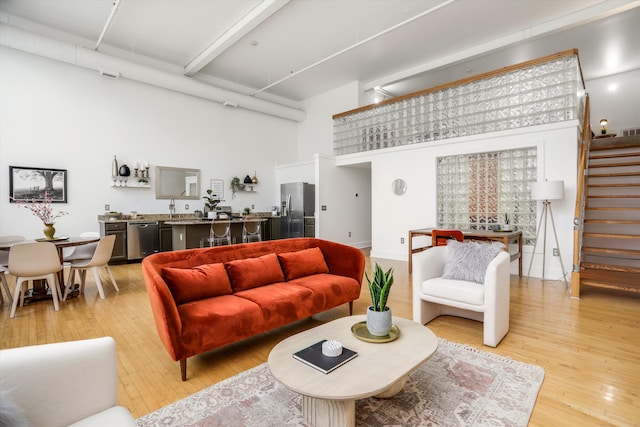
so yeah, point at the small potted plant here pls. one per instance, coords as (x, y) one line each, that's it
(247, 211)
(378, 314)
(210, 203)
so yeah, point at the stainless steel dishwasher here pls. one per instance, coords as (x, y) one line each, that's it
(142, 239)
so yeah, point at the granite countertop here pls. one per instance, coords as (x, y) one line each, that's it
(176, 219)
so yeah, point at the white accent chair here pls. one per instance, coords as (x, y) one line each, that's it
(68, 383)
(434, 296)
(34, 261)
(98, 261)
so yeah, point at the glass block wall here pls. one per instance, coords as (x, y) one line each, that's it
(476, 191)
(534, 93)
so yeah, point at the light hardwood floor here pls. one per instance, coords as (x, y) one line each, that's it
(589, 348)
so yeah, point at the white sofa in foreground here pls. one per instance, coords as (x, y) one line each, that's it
(68, 383)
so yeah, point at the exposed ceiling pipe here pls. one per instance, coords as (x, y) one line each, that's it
(29, 42)
(107, 24)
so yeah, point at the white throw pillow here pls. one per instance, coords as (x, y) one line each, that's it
(469, 260)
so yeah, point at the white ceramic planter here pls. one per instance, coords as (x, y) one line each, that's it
(379, 322)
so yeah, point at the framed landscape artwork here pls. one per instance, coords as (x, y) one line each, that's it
(27, 184)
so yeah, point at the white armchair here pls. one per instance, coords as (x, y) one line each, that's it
(434, 296)
(68, 383)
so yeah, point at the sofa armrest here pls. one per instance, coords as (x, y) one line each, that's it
(342, 259)
(163, 305)
(62, 383)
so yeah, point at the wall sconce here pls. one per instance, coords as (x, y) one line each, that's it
(603, 126)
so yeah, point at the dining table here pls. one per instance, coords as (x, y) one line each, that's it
(505, 237)
(40, 291)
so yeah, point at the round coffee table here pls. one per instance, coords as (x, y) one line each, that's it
(381, 369)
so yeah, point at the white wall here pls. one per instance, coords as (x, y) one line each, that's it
(346, 194)
(393, 216)
(60, 116)
(620, 107)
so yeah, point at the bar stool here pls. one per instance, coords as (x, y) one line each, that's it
(219, 234)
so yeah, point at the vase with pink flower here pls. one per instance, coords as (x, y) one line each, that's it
(42, 209)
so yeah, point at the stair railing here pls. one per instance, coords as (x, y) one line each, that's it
(581, 198)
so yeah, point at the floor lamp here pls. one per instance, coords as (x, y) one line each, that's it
(547, 191)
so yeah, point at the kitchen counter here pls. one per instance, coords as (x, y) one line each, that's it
(205, 221)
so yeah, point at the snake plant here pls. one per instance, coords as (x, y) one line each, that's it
(379, 287)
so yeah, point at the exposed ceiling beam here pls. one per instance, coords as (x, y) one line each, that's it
(238, 30)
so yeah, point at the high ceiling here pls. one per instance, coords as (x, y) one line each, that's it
(290, 50)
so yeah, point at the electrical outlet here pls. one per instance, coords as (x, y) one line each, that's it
(349, 234)
(107, 208)
(402, 240)
(186, 206)
(253, 206)
(556, 252)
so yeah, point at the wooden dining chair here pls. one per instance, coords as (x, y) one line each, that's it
(34, 261)
(441, 237)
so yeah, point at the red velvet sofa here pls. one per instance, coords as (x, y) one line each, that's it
(203, 299)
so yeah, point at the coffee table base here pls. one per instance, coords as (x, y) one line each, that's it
(329, 413)
(340, 413)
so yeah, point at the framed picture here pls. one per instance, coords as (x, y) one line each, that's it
(26, 184)
(217, 188)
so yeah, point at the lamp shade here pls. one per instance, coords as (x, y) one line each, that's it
(547, 190)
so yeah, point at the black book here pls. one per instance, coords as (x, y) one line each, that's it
(313, 357)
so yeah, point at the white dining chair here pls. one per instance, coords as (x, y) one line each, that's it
(4, 261)
(83, 251)
(34, 261)
(99, 261)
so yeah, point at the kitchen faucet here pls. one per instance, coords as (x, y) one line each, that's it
(172, 207)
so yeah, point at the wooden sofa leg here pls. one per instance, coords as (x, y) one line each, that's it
(350, 308)
(183, 369)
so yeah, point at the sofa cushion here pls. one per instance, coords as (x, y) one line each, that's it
(303, 263)
(453, 290)
(200, 282)
(329, 290)
(253, 272)
(280, 304)
(469, 260)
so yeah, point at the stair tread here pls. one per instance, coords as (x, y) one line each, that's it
(613, 165)
(608, 268)
(613, 155)
(614, 196)
(627, 184)
(612, 235)
(613, 221)
(611, 251)
(606, 175)
(608, 208)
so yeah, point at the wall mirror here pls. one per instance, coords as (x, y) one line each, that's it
(177, 183)
(399, 187)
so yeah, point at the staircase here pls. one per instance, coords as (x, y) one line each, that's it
(610, 255)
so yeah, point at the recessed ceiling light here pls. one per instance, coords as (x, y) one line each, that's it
(253, 42)
(612, 87)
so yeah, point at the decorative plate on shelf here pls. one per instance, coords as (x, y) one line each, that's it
(55, 239)
(362, 333)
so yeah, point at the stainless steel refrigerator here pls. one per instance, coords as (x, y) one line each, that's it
(297, 200)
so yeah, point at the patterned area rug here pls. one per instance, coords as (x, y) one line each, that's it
(458, 386)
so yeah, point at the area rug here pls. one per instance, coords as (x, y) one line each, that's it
(458, 386)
